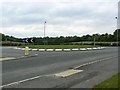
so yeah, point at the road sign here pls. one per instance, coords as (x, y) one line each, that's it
(31, 40)
(28, 40)
(25, 40)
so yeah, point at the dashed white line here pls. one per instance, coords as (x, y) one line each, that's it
(21, 81)
(92, 62)
(53, 74)
(7, 58)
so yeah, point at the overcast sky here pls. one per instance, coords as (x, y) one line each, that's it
(21, 18)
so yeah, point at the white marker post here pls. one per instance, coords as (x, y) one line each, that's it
(26, 50)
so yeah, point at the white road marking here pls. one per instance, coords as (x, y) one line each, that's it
(53, 74)
(13, 58)
(18, 82)
(7, 58)
(67, 73)
(92, 62)
(87, 80)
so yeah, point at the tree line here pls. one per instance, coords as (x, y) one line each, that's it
(68, 39)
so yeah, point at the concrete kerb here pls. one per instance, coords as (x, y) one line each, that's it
(30, 49)
(95, 48)
(73, 49)
(49, 50)
(67, 49)
(58, 50)
(23, 49)
(83, 49)
(42, 50)
(34, 49)
(89, 48)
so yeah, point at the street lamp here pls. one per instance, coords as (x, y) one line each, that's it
(94, 41)
(117, 30)
(44, 31)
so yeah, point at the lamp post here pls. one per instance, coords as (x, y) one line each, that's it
(117, 31)
(44, 31)
(94, 41)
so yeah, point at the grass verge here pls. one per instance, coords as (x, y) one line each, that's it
(109, 84)
(59, 46)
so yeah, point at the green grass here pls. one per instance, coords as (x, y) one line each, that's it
(59, 46)
(109, 83)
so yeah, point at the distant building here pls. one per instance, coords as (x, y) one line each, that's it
(118, 19)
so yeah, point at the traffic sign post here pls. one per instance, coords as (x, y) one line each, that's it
(27, 41)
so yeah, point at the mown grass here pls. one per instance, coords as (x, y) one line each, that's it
(59, 46)
(111, 83)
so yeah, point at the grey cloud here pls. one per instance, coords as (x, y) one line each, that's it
(24, 13)
(37, 13)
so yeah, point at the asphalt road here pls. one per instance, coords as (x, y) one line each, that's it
(47, 63)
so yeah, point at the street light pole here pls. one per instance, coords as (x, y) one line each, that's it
(44, 31)
(117, 31)
(94, 41)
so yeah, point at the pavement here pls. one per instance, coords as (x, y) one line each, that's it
(82, 69)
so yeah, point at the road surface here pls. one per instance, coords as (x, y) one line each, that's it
(39, 71)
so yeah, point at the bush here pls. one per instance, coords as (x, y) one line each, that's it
(8, 43)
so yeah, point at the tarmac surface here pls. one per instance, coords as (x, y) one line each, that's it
(39, 69)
